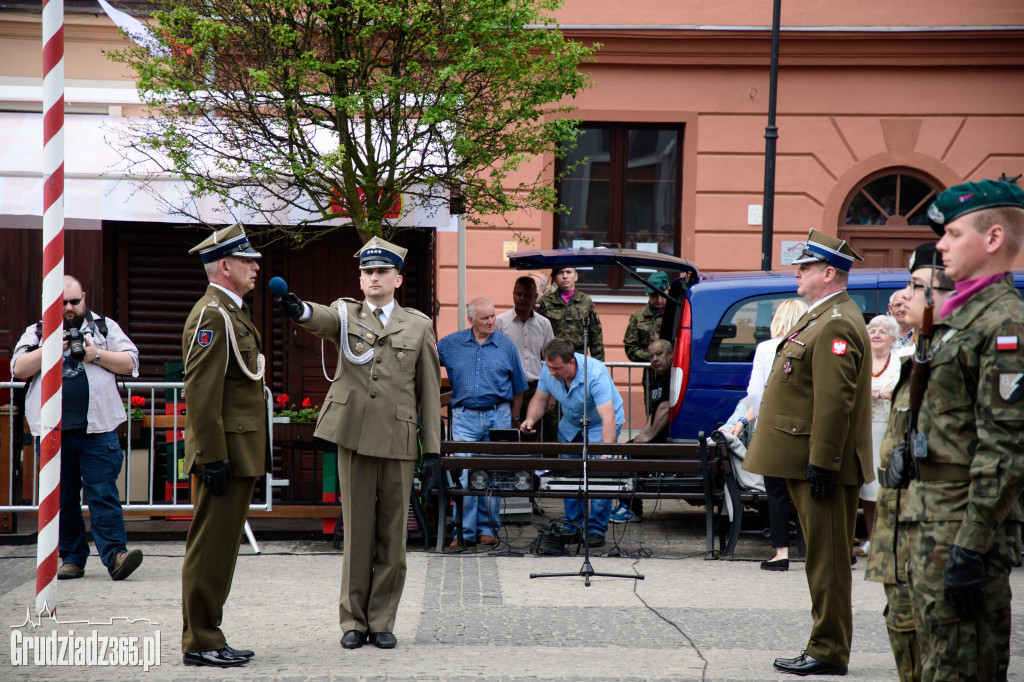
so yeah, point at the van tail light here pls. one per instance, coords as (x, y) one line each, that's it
(680, 363)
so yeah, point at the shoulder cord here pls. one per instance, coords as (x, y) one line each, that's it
(232, 343)
(343, 344)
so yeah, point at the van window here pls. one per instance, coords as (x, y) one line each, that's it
(745, 324)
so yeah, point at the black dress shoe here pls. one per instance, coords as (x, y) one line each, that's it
(353, 639)
(239, 653)
(383, 640)
(775, 565)
(213, 659)
(595, 540)
(808, 665)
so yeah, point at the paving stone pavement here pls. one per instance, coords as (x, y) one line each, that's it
(474, 615)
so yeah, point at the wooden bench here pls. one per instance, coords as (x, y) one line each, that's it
(697, 469)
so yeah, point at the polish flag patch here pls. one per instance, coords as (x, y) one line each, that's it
(1006, 343)
(838, 347)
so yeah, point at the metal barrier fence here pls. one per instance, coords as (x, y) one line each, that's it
(172, 424)
(628, 401)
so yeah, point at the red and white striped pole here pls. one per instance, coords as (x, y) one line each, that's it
(53, 303)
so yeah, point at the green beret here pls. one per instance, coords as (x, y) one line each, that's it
(660, 282)
(969, 197)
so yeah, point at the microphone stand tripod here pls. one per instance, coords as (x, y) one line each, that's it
(586, 570)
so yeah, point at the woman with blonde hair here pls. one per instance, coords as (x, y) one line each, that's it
(785, 318)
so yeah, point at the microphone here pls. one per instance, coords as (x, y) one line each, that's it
(278, 286)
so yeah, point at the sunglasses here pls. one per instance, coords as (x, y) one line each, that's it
(73, 301)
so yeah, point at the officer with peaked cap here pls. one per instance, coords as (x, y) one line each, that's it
(964, 511)
(226, 446)
(815, 432)
(388, 373)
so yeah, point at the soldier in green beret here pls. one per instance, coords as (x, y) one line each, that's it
(926, 270)
(567, 308)
(964, 512)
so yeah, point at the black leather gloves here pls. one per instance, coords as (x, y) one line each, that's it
(216, 476)
(965, 577)
(822, 482)
(292, 306)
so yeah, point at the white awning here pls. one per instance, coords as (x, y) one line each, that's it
(96, 188)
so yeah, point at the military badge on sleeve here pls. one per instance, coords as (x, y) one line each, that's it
(1011, 387)
(205, 337)
(838, 347)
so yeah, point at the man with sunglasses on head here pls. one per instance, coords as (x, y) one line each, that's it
(926, 271)
(96, 350)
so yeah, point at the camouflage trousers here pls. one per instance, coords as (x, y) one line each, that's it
(953, 650)
(899, 621)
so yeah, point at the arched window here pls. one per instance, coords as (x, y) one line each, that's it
(884, 218)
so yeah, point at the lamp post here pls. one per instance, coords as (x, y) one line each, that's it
(771, 135)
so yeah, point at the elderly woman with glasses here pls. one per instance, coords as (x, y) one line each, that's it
(883, 331)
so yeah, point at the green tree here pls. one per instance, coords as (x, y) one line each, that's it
(288, 107)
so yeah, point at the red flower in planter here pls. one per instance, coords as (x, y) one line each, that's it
(138, 401)
(282, 400)
(306, 402)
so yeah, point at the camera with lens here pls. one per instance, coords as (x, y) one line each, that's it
(76, 343)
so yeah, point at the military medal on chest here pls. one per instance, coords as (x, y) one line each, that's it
(787, 367)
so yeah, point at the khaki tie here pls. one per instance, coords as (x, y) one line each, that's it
(377, 312)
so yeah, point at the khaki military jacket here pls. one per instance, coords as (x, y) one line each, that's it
(973, 416)
(816, 406)
(567, 320)
(644, 328)
(372, 407)
(227, 410)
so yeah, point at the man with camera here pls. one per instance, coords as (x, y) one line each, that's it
(96, 350)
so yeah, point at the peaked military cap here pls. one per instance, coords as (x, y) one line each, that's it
(926, 256)
(228, 241)
(378, 253)
(969, 197)
(660, 282)
(824, 248)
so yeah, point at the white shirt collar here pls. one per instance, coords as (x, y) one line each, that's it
(823, 299)
(232, 295)
(387, 308)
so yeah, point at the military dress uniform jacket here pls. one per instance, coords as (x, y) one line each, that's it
(816, 406)
(973, 416)
(371, 408)
(567, 320)
(644, 328)
(227, 410)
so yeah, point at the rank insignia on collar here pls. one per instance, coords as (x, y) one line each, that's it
(205, 337)
(1011, 387)
(838, 347)
(787, 367)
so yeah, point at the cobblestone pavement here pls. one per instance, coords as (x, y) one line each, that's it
(473, 615)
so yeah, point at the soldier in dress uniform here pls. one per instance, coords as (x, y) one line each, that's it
(814, 430)
(964, 511)
(926, 270)
(567, 307)
(388, 373)
(226, 445)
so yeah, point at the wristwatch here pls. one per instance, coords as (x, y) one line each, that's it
(96, 360)
(743, 420)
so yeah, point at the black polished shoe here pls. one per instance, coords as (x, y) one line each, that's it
(213, 659)
(808, 665)
(239, 653)
(595, 540)
(383, 640)
(775, 565)
(353, 639)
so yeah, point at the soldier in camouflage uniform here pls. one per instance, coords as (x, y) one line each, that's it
(964, 512)
(882, 563)
(567, 307)
(645, 327)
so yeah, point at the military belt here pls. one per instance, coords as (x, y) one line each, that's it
(927, 472)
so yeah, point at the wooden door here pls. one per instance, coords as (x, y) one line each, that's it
(885, 246)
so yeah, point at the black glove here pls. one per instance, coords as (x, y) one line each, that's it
(965, 576)
(292, 306)
(216, 476)
(822, 481)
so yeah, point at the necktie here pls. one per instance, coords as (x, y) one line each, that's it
(378, 313)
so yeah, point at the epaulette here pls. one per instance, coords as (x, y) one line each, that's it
(418, 313)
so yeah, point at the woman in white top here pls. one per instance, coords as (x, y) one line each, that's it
(883, 331)
(785, 318)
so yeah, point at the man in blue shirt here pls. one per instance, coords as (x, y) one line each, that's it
(562, 377)
(488, 382)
